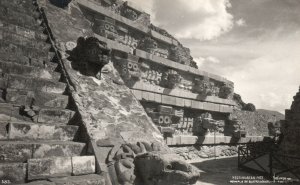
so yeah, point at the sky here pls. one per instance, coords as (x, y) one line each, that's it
(254, 43)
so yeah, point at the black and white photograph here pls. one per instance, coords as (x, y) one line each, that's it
(149, 92)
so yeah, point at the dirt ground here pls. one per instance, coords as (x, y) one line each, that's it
(224, 171)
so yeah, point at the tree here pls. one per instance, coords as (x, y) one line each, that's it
(249, 107)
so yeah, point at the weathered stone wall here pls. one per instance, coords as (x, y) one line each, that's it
(202, 152)
(256, 123)
(291, 130)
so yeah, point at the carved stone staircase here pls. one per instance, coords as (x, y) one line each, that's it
(38, 132)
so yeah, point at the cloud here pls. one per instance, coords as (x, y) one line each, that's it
(269, 78)
(145, 5)
(194, 19)
(257, 45)
(201, 61)
(240, 22)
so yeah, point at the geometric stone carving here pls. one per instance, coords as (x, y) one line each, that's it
(205, 124)
(148, 44)
(171, 79)
(226, 91)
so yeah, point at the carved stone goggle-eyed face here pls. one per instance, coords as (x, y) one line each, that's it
(132, 69)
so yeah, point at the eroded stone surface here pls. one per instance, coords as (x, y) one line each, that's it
(14, 172)
(40, 99)
(40, 183)
(15, 152)
(83, 165)
(41, 132)
(49, 167)
(92, 179)
(55, 115)
(62, 149)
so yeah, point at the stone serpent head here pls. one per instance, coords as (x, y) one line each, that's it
(161, 169)
(147, 164)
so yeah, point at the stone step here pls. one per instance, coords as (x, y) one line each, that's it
(21, 151)
(18, 113)
(14, 81)
(92, 179)
(40, 99)
(40, 47)
(18, 18)
(9, 112)
(22, 7)
(26, 61)
(55, 116)
(25, 32)
(13, 173)
(33, 131)
(44, 168)
(13, 68)
(13, 52)
(39, 183)
(13, 48)
(21, 3)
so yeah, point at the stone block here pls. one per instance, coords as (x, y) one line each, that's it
(216, 107)
(138, 85)
(83, 165)
(22, 82)
(145, 96)
(168, 100)
(206, 106)
(39, 183)
(174, 42)
(59, 149)
(201, 105)
(137, 94)
(45, 168)
(187, 103)
(15, 151)
(28, 131)
(161, 37)
(157, 98)
(13, 68)
(177, 93)
(222, 108)
(179, 102)
(5, 112)
(13, 172)
(228, 109)
(175, 140)
(91, 179)
(41, 99)
(195, 104)
(142, 54)
(188, 140)
(151, 97)
(167, 130)
(55, 115)
(3, 130)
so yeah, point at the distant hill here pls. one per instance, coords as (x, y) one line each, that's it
(278, 115)
(256, 123)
